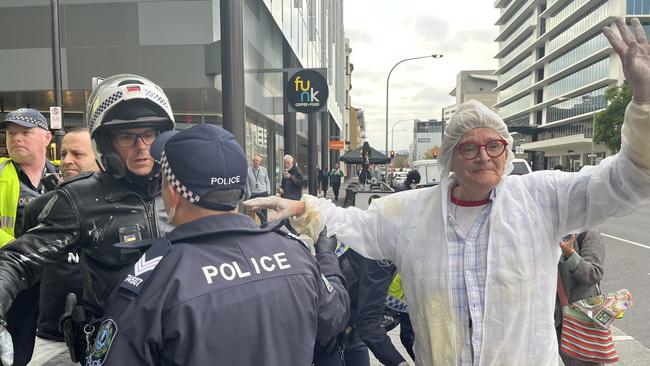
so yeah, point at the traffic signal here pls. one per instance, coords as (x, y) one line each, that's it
(392, 154)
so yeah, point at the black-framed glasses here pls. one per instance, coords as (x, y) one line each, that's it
(494, 149)
(128, 139)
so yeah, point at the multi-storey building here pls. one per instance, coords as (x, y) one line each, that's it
(554, 67)
(177, 45)
(426, 135)
(472, 84)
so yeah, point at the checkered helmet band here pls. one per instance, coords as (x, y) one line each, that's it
(177, 184)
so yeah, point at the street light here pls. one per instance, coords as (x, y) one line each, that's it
(388, 80)
(587, 99)
(392, 131)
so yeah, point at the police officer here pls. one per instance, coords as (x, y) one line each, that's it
(94, 211)
(218, 288)
(22, 180)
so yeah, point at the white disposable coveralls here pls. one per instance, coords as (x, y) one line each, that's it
(529, 215)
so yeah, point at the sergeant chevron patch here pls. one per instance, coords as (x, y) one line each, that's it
(143, 265)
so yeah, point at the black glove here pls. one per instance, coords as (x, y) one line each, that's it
(325, 244)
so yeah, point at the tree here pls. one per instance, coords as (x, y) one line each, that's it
(401, 161)
(432, 153)
(609, 121)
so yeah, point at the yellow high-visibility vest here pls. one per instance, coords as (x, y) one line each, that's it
(9, 194)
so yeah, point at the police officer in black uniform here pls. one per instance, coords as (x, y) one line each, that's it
(94, 211)
(219, 289)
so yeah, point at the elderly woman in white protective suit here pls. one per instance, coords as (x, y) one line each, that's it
(478, 253)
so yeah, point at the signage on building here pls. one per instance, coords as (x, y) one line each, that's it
(424, 139)
(56, 118)
(519, 149)
(337, 145)
(306, 90)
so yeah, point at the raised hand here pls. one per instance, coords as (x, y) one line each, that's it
(633, 49)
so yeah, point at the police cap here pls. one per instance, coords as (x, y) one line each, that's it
(205, 164)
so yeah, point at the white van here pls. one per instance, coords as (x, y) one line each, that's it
(429, 173)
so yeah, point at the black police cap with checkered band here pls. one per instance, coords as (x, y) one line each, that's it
(26, 117)
(200, 160)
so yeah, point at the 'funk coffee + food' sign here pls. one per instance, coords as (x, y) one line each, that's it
(307, 90)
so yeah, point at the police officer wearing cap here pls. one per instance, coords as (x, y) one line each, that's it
(23, 177)
(93, 211)
(218, 288)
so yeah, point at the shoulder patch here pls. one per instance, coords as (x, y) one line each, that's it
(81, 176)
(145, 266)
(103, 342)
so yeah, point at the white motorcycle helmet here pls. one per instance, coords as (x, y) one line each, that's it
(119, 102)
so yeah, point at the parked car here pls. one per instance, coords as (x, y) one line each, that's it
(521, 167)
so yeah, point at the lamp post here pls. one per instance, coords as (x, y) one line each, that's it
(587, 99)
(392, 132)
(388, 80)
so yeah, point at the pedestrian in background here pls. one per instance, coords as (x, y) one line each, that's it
(21, 176)
(259, 184)
(324, 180)
(292, 180)
(219, 289)
(580, 269)
(336, 175)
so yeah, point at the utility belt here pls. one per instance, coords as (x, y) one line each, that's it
(79, 329)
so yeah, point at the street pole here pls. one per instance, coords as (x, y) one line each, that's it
(388, 80)
(232, 70)
(56, 66)
(392, 133)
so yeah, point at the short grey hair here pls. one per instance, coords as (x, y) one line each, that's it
(287, 157)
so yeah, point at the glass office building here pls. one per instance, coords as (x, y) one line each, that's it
(177, 45)
(554, 68)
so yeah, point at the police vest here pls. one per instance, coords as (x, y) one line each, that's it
(9, 193)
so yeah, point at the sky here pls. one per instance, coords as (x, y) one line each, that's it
(383, 32)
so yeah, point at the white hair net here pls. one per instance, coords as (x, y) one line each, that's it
(468, 116)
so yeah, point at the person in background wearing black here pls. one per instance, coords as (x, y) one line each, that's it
(292, 180)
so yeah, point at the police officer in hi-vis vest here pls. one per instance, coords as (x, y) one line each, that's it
(21, 181)
(219, 289)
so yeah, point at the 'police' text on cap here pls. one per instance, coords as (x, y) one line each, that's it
(203, 159)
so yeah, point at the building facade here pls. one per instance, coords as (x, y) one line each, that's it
(177, 45)
(554, 68)
(472, 84)
(426, 135)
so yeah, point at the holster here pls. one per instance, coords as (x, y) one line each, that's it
(71, 324)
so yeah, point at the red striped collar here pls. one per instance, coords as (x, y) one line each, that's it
(461, 203)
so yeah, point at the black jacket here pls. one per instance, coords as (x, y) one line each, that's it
(368, 281)
(221, 290)
(90, 212)
(57, 280)
(292, 186)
